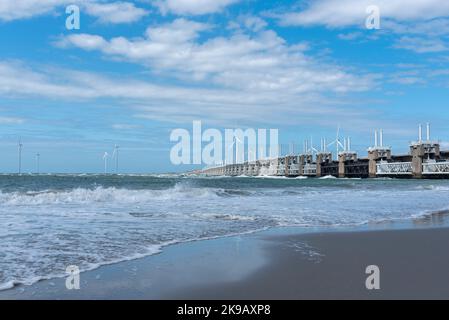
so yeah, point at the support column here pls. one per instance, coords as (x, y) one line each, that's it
(417, 152)
(341, 165)
(375, 155)
(302, 161)
(286, 165)
(319, 161)
(342, 159)
(322, 158)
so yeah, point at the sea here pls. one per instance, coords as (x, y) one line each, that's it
(49, 222)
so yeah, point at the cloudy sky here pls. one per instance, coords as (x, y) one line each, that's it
(136, 70)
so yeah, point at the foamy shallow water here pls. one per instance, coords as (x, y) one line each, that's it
(50, 222)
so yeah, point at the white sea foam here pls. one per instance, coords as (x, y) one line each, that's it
(107, 195)
(327, 177)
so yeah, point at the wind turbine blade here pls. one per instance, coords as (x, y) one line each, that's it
(332, 143)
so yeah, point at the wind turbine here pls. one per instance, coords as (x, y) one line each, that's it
(323, 145)
(20, 146)
(251, 156)
(38, 156)
(230, 147)
(312, 148)
(337, 142)
(237, 142)
(105, 158)
(115, 156)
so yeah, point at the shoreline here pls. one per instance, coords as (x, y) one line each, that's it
(220, 267)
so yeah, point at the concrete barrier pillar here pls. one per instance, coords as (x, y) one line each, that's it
(319, 161)
(418, 153)
(375, 155)
(342, 159)
(302, 161)
(322, 158)
(341, 165)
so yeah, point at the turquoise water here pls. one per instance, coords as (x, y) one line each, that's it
(48, 222)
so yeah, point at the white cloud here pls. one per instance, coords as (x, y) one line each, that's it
(261, 61)
(423, 25)
(343, 13)
(112, 12)
(192, 7)
(254, 23)
(123, 126)
(84, 41)
(350, 36)
(422, 45)
(430, 28)
(171, 103)
(11, 120)
(116, 12)
(13, 10)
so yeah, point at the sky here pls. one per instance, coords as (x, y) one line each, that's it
(136, 70)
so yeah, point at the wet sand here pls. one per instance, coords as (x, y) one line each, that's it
(277, 264)
(414, 264)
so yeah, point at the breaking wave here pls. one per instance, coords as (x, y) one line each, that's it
(114, 195)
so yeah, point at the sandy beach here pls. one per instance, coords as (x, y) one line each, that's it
(276, 264)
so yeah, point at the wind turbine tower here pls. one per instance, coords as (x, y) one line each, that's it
(38, 158)
(20, 146)
(115, 155)
(337, 142)
(105, 158)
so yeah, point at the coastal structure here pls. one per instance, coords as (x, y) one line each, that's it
(424, 160)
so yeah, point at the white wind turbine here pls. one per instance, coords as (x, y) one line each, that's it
(38, 165)
(312, 148)
(226, 156)
(236, 142)
(251, 156)
(20, 146)
(323, 145)
(105, 158)
(115, 156)
(337, 142)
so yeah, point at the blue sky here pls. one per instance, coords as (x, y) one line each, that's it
(137, 70)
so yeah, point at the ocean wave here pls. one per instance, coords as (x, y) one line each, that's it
(230, 217)
(433, 187)
(116, 195)
(431, 214)
(32, 278)
(327, 177)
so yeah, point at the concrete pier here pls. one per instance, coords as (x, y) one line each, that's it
(376, 155)
(322, 159)
(423, 152)
(344, 159)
